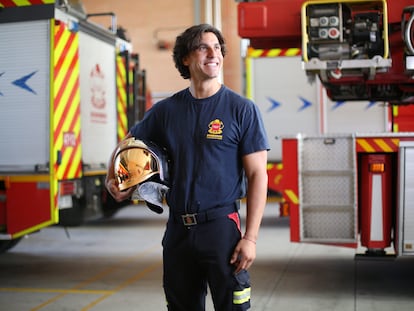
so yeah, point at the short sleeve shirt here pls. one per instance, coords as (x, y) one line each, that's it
(206, 140)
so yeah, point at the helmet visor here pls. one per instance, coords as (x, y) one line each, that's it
(134, 165)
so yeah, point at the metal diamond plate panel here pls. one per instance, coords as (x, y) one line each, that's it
(325, 154)
(328, 224)
(327, 189)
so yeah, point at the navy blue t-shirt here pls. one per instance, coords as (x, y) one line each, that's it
(206, 139)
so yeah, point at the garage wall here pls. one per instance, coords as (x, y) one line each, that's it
(148, 22)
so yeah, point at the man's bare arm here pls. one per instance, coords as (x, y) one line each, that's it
(256, 173)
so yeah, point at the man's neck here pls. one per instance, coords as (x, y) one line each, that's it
(204, 89)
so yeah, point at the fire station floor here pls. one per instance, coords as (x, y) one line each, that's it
(115, 265)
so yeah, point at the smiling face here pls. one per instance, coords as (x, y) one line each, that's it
(206, 60)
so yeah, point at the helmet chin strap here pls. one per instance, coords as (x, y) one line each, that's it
(153, 194)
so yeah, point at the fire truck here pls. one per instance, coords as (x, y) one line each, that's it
(69, 90)
(290, 104)
(352, 186)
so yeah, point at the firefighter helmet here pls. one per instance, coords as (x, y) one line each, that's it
(145, 165)
(137, 161)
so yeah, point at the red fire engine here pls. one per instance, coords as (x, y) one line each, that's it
(351, 189)
(69, 89)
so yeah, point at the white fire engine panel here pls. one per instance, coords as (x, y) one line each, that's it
(98, 105)
(406, 206)
(24, 99)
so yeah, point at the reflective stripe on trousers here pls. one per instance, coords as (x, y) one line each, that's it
(241, 296)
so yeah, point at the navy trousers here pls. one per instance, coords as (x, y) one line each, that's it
(199, 256)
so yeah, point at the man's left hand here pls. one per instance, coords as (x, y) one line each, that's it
(244, 254)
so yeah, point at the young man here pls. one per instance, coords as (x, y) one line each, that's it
(216, 141)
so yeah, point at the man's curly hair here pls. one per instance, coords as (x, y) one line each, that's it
(188, 41)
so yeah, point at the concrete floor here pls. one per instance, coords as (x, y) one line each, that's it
(116, 265)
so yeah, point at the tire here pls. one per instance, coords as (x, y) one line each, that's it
(110, 207)
(74, 216)
(5, 245)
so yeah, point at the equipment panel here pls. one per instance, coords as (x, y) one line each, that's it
(24, 95)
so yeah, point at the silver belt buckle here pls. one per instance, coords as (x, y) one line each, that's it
(189, 219)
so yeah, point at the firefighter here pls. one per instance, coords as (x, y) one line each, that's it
(217, 147)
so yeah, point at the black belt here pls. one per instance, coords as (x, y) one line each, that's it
(205, 216)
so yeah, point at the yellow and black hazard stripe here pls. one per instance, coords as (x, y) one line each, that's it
(377, 144)
(121, 90)
(21, 3)
(25, 10)
(255, 53)
(66, 123)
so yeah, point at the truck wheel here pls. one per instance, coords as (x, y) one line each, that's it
(110, 207)
(5, 245)
(74, 216)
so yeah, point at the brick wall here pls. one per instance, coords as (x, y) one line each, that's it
(148, 22)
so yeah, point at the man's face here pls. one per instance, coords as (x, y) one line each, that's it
(205, 62)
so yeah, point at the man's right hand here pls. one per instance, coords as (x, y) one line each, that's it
(118, 195)
(111, 183)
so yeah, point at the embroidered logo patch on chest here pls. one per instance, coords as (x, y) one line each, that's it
(215, 130)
